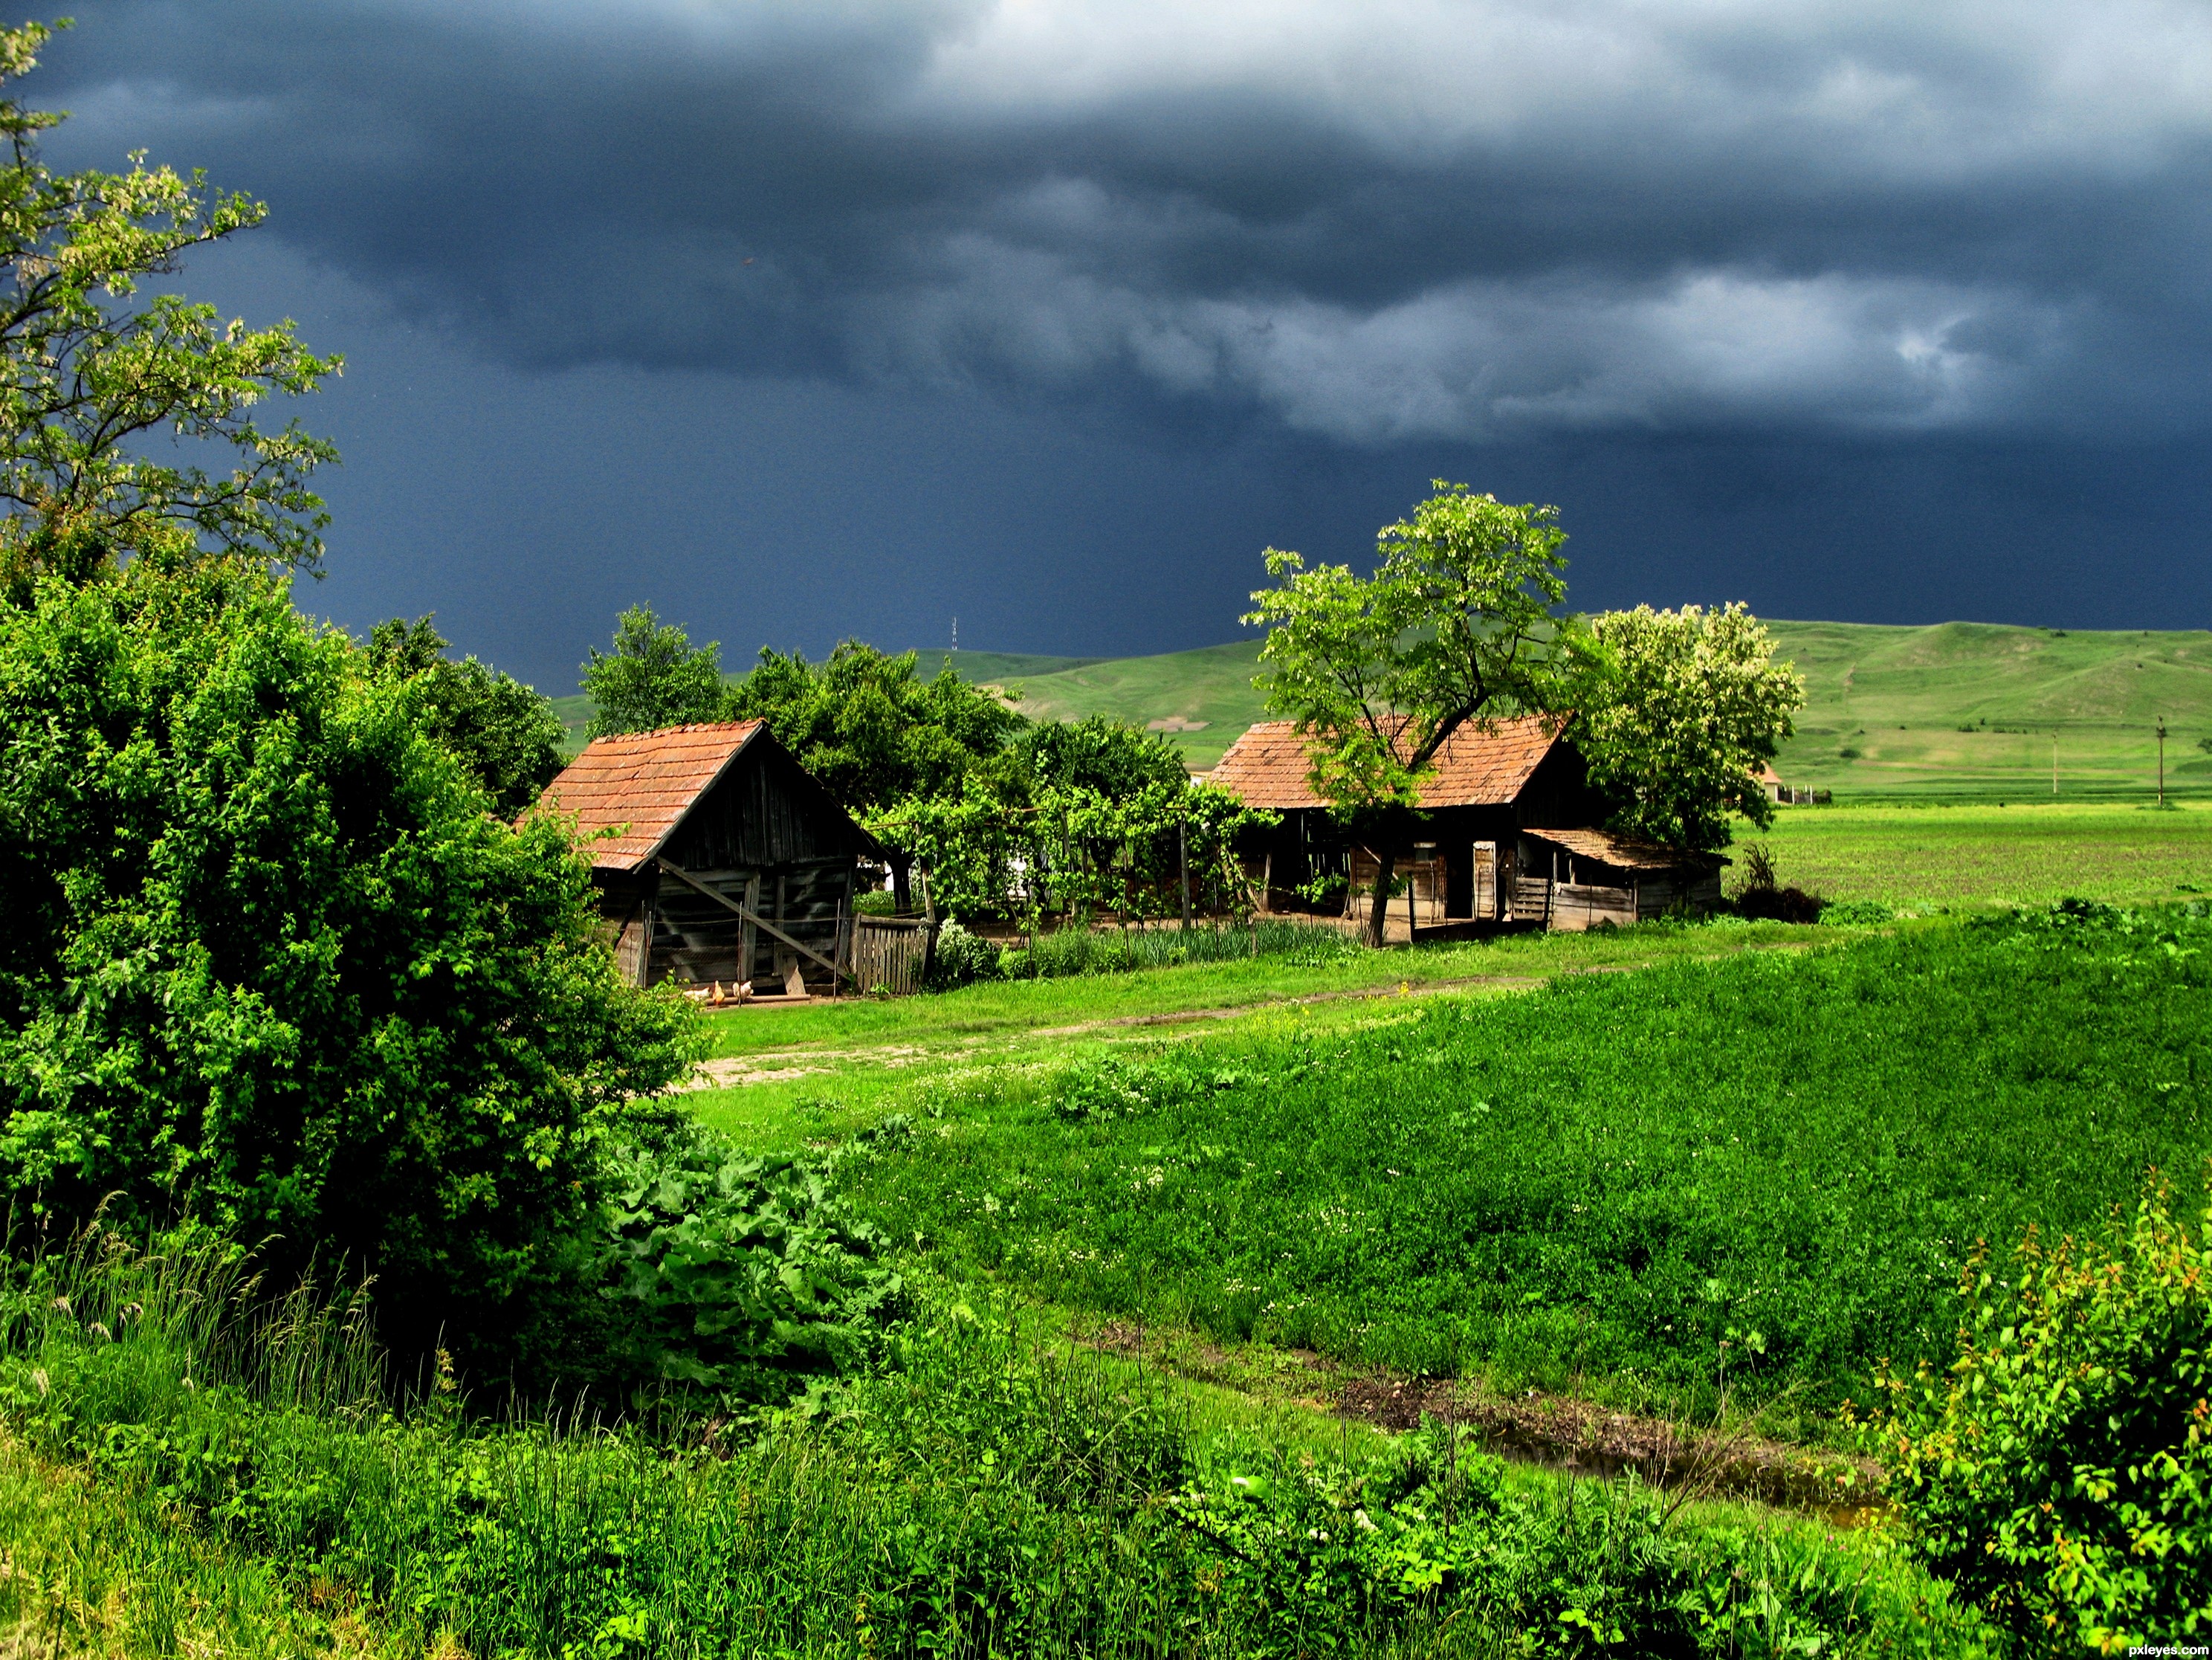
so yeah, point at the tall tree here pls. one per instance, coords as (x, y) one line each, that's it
(1676, 711)
(505, 733)
(89, 370)
(653, 677)
(1453, 628)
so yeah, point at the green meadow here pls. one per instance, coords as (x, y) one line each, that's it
(1764, 1169)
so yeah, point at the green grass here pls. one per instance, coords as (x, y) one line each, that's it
(1596, 1185)
(166, 1487)
(2026, 855)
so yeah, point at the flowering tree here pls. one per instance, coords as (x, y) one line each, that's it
(1676, 711)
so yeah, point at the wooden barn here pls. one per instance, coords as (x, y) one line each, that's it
(1481, 853)
(718, 858)
(1573, 880)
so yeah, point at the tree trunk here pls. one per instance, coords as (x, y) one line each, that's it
(902, 885)
(1378, 913)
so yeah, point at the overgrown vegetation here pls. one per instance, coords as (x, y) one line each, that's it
(2056, 1470)
(971, 1493)
(1762, 1174)
(269, 963)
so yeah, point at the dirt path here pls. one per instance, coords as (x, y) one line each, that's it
(772, 1066)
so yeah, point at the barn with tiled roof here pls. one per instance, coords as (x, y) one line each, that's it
(718, 857)
(1481, 853)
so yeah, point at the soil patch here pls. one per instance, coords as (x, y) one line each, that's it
(1562, 1433)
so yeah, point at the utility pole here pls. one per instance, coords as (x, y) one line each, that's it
(2162, 760)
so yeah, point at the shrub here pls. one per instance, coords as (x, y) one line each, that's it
(1762, 900)
(961, 957)
(268, 959)
(2059, 1470)
(1857, 913)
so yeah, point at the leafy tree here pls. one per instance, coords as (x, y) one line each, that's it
(90, 371)
(267, 960)
(877, 735)
(505, 733)
(1454, 628)
(1676, 712)
(653, 678)
(1099, 753)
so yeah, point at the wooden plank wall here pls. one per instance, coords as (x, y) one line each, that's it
(1532, 898)
(697, 941)
(1577, 906)
(1427, 876)
(1658, 894)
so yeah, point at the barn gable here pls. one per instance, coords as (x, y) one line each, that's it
(718, 857)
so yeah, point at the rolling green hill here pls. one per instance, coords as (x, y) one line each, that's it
(1965, 709)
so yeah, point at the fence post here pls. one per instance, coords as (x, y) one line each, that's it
(1182, 869)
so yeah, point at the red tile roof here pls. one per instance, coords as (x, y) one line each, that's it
(1625, 852)
(1267, 766)
(640, 784)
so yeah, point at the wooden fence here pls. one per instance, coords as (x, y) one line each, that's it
(890, 952)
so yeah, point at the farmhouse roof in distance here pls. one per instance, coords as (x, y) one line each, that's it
(640, 784)
(1267, 766)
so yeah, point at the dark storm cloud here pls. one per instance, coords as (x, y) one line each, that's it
(1376, 223)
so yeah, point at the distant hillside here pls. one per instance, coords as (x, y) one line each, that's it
(1957, 708)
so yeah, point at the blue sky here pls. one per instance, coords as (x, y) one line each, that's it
(804, 320)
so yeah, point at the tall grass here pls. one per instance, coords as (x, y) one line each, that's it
(973, 1496)
(1078, 950)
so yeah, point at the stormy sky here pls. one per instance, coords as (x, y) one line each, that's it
(827, 317)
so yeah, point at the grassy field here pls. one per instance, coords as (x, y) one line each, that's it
(170, 1485)
(2031, 854)
(1770, 1166)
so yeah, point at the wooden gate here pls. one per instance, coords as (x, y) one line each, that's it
(890, 953)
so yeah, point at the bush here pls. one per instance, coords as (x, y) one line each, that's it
(1760, 898)
(2060, 1469)
(961, 957)
(268, 959)
(734, 1273)
(1857, 913)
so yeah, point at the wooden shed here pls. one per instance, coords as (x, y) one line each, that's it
(717, 856)
(1486, 787)
(1574, 880)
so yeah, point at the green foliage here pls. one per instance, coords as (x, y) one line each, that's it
(961, 958)
(872, 731)
(1857, 913)
(1106, 757)
(1081, 951)
(90, 371)
(2059, 1470)
(652, 678)
(1763, 1173)
(1454, 627)
(1676, 712)
(732, 1274)
(970, 1494)
(268, 961)
(503, 732)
